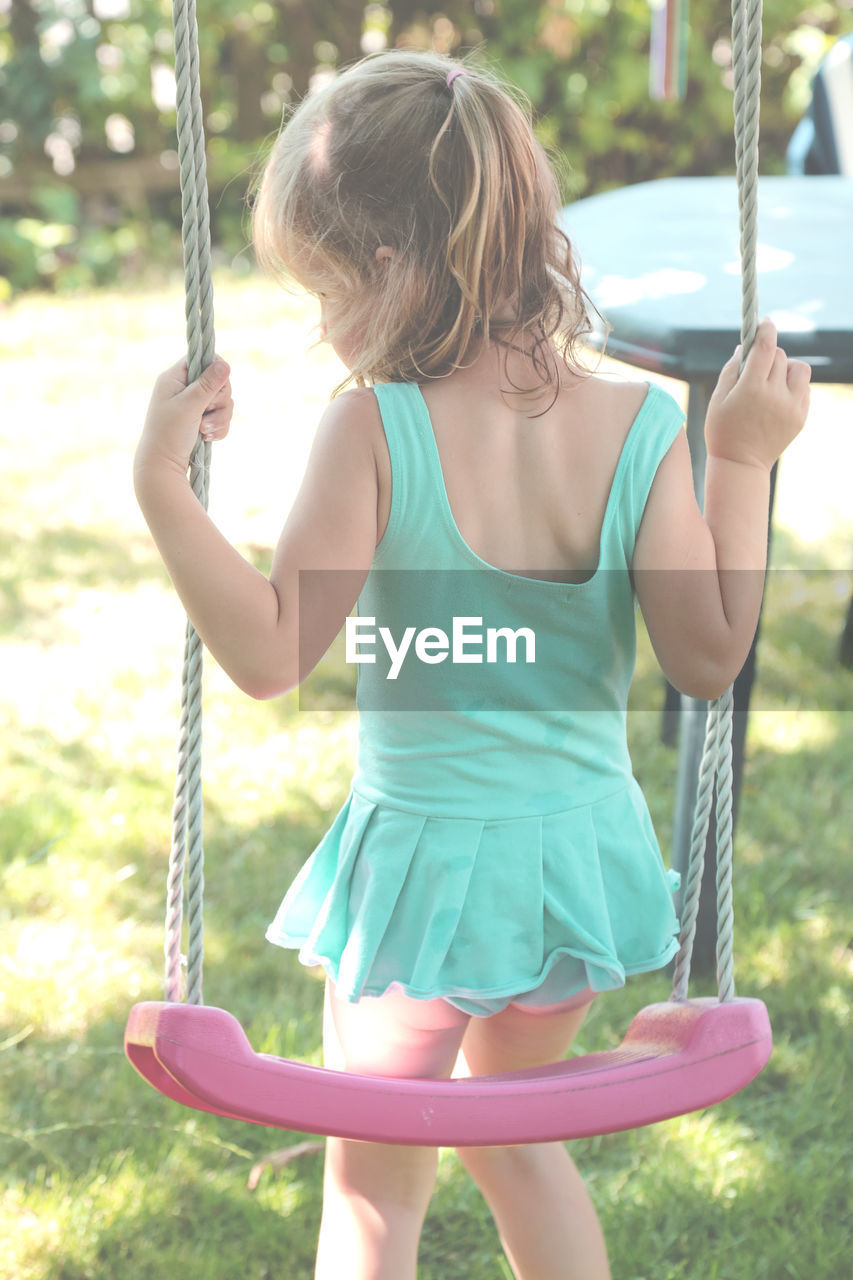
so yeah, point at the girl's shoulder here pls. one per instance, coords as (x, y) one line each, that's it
(608, 407)
(614, 401)
(352, 422)
(355, 409)
(619, 400)
(637, 420)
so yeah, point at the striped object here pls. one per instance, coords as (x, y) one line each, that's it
(668, 64)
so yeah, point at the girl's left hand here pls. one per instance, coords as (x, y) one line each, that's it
(178, 413)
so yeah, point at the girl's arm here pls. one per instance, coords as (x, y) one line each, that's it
(249, 623)
(700, 579)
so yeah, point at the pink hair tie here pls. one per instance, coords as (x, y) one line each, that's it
(451, 75)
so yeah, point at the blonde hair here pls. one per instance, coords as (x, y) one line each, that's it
(452, 178)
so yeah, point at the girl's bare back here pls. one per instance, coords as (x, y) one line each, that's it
(528, 493)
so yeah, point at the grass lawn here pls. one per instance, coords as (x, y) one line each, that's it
(101, 1177)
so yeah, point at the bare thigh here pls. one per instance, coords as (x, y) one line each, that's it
(375, 1196)
(392, 1035)
(520, 1037)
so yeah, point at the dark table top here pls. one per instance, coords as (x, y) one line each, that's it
(661, 261)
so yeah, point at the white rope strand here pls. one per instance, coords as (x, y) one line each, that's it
(696, 861)
(717, 753)
(187, 815)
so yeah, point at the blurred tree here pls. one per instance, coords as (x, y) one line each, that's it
(87, 147)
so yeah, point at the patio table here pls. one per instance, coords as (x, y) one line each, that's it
(661, 262)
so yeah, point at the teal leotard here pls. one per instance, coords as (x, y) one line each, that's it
(495, 845)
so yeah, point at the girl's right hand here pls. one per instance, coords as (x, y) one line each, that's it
(754, 415)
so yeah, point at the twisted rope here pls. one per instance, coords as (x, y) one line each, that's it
(716, 766)
(725, 904)
(746, 62)
(696, 861)
(187, 848)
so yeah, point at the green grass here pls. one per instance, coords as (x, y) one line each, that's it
(101, 1177)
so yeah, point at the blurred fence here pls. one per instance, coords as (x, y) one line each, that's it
(87, 150)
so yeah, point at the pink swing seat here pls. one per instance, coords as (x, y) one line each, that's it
(676, 1057)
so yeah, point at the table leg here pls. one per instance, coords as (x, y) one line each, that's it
(692, 716)
(845, 651)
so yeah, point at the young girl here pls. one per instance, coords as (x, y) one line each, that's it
(494, 866)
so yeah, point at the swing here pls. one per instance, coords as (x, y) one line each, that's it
(677, 1056)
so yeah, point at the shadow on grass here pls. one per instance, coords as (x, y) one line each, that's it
(65, 785)
(705, 1225)
(186, 1222)
(72, 558)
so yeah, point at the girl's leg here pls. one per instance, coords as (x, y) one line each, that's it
(546, 1220)
(375, 1197)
